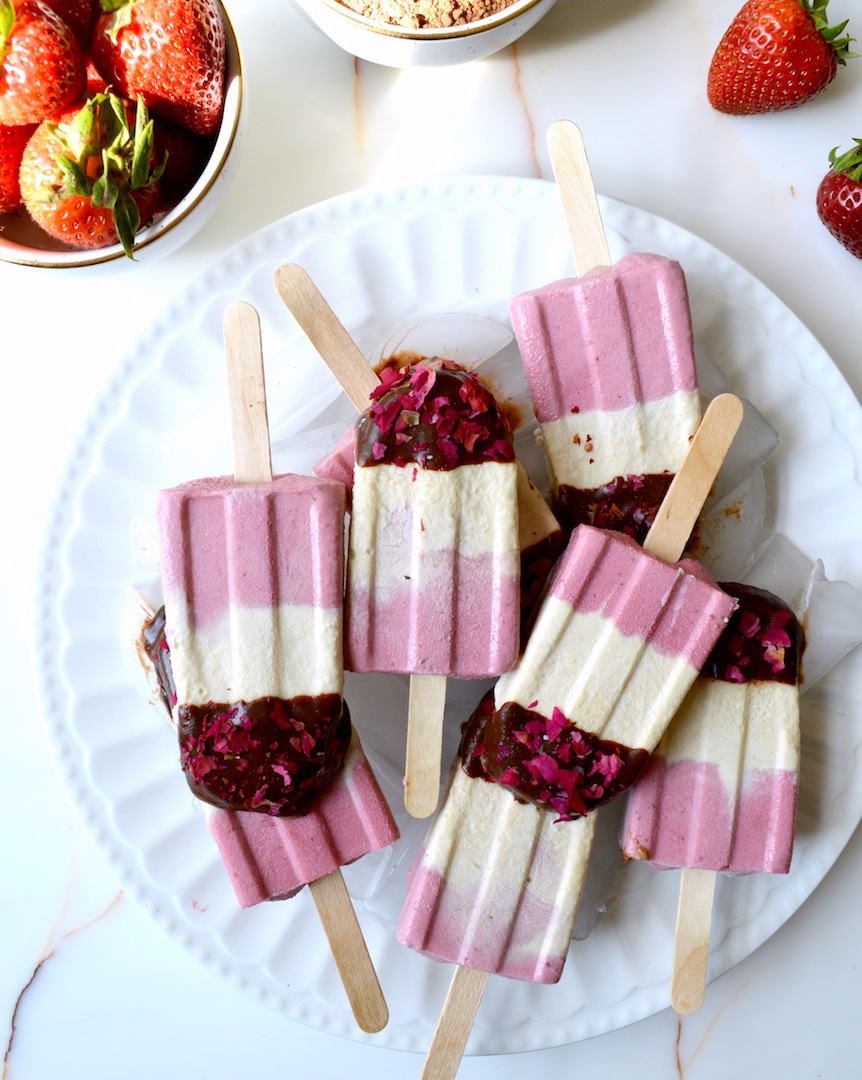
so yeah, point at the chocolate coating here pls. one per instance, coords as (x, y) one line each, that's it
(435, 415)
(550, 763)
(762, 642)
(627, 504)
(273, 756)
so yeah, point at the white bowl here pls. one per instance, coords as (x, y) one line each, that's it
(22, 241)
(400, 46)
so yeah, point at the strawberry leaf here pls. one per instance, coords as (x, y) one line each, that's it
(7, 21)
(121, 12)
(127, 220)
(143, 148)
(831, 34)
(74, 177)
(849, 163)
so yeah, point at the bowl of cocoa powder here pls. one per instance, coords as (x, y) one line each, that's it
(429, 33)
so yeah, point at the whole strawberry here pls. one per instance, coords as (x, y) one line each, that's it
(776, 54)
(169, 52)
(12, 143)
(42, 66)
(839, 198)
(87, 179)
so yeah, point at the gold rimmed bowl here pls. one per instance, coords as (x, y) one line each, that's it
(402, 46)
(23, 242)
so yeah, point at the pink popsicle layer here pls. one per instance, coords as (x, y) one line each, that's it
(338, 463)
(676, 607)
(685, 814)
(618, 336)
(435, 926)
(412, 628)
(251, 545)
(271, 858)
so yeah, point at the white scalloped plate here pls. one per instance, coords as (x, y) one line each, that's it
(462, 245)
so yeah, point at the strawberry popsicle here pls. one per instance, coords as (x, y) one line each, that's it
(609, 358)
(619, 639)
(610, 362)
(720, 791)
(252, 574)
(432, 578)
(497, 884)
(540, 538)
(420, 503)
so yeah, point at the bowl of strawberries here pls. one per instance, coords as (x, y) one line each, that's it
(119, 127)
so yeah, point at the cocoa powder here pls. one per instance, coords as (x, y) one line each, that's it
(426, 14)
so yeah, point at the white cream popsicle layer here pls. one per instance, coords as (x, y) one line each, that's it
(720, 791)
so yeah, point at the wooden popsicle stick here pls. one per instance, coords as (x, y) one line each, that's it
(424, 744)
(578, 196)
(346, 941)
(681, 506)
(667, 538)
(326, 333)
(252, 458)
(358, 379)
(691, 942)
(454, 1024)
(253, 463)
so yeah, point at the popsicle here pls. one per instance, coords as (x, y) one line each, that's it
(252, 572)
(719, 794)
(496, 884)
(432, 576)
(609, 358)
(493, 535)
(618, 640)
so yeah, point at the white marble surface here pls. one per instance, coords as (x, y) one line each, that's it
(90, 987)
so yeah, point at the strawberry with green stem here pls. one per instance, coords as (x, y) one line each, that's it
(839, 198)
(88, 179)
(776, 54)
